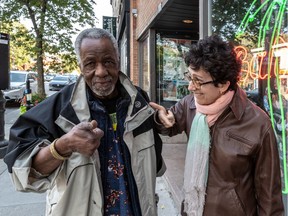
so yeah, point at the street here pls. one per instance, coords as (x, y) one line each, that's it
(13, 203)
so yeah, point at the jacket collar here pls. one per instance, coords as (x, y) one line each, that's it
(82, 108)
(238, 103)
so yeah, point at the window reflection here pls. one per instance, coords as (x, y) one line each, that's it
(259, 29)
(145, 75)
(171, 83)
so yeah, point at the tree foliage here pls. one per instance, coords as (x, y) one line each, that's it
(227, 16)
(54, 22)
(21, 54)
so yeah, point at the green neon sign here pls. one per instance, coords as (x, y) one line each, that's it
(272, 14)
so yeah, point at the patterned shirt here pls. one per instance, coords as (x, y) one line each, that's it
(119, 186)
(117, 200)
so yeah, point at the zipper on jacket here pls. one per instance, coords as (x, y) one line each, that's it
(240, 139)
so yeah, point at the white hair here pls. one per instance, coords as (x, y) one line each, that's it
(94, 33)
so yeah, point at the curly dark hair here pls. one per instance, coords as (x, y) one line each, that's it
(216, 57)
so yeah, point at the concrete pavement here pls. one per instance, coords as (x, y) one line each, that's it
(13, 203)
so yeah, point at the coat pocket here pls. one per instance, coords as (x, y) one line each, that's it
(239, 144)
(221, 201)
(145, 140)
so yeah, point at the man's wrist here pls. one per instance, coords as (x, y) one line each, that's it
(56, 153)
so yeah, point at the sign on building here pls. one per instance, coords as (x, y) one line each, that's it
(4, 61)
(109, 24)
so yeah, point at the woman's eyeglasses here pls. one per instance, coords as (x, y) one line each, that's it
(197, 83)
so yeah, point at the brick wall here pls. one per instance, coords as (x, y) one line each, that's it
(134, 75)
(146, 12)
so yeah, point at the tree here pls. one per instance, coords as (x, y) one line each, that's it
(64, 63)
(22, 57)
(227, 17)
(54, 23)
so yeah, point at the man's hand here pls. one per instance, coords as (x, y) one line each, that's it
(83, 138)
(166, 117)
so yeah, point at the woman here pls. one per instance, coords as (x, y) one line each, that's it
(232, 162)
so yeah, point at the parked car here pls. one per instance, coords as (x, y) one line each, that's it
(73, 77)
(48, 77)
(18, 81)
(59, 82)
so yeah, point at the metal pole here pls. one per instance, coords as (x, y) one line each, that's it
(3, 142)
(28, 95)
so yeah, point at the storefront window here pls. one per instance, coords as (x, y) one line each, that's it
(123, 56)
(145, 74)
(170, 69)
(259, 29)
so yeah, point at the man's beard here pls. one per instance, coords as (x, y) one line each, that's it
(103, 92)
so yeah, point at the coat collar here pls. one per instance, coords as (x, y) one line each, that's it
(239, 103)
(81, 106)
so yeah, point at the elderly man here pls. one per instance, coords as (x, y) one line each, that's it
(91, 146)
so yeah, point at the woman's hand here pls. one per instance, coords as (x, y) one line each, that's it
(166, 117)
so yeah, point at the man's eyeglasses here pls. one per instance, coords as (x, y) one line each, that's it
(197, 83)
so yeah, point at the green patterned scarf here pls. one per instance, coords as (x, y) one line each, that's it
(196, 166)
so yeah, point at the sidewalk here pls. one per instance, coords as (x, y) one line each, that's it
(14, 203)
(168, 187)
(174, 152)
